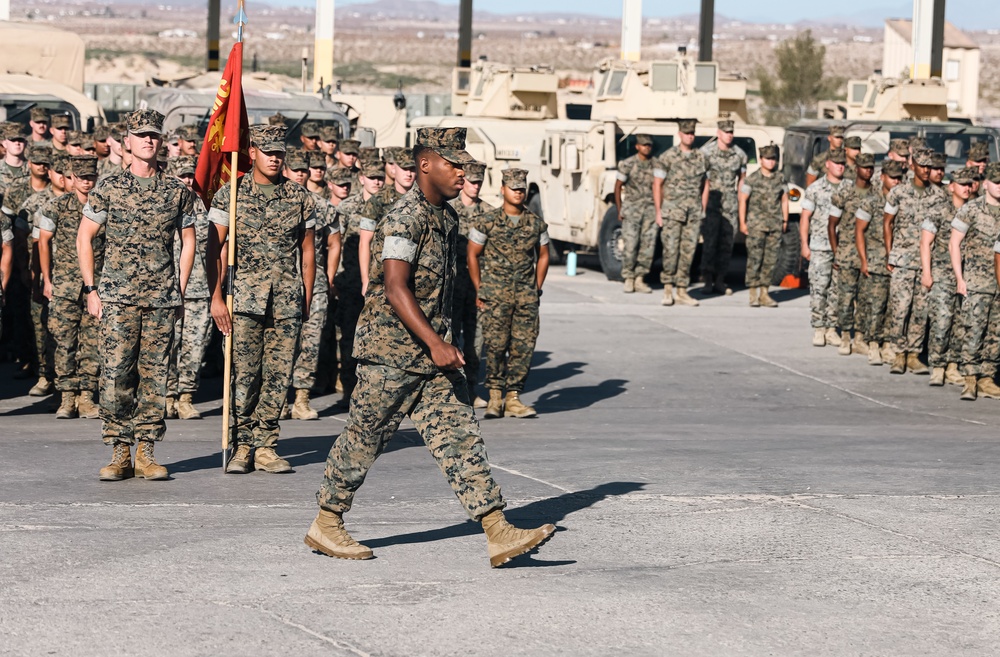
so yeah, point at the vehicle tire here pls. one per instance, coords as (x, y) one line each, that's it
(790, 256)
(609, 247)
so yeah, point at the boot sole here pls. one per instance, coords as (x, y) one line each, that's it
(500, 559)
(316, 547)
(140, 475)
(230, 469)
(522, 416)
(126, 475)
(261, 468)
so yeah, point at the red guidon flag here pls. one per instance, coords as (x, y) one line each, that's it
(228, 131)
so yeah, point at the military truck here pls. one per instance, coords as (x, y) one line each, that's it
(516, 117)
(20, 93)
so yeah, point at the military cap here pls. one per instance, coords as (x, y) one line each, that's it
(329, 133)
(310, 129)
(369, 154)
(182, 165)
(726, 125)
(965, 176)
(770, 152)
(60, 162)
(992, 173)
(40, 154)
(515, 178)
(892, 168)
(268, 138)
(144, 121)
(475, 172)
(39, 115)
(101, 133)
(76, 138)
(13, 131)
(917, 143)
(116, 130)
(350, 147)
(938, 160)
(687, 126)
(389, 153)
(922, 157)
(979, 151)
(404, 159)
(836, 131)
(900, 147)
(61, 121)
(373, 170)
(189, 132)
(853, 142)
(277, 119)
(866, 160)
(837, 156)
(83, 165)
(640, 140)
(342, 176)
(317, 160)
(296, 159)
(449, 143)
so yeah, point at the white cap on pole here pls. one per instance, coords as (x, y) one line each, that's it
(631, 30)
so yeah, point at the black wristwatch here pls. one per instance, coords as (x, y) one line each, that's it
(87, 289)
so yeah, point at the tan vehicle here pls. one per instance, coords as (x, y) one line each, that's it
(516, 117)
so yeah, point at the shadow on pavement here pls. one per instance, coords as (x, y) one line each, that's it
(788, 294)
(572, 399)
(539, 378)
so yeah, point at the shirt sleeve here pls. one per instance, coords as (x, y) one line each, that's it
(96, 208)
(46, 218)
(543, 236)
(996, 247)
(891, 204)
(309, 211)
(929, 226)
(186, 217)
(623, 171)
(219, 212)
(401, 235)
(808, 202)
(660, 169)
(745, 188)
(864, 212)
(962, 222)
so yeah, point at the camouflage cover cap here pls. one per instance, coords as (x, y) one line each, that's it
(515, 178)
(992, 172)
(342, 176)
(389, 153)
(475, 172)
(917, 143)
(310, 129)
(853, 142)
(39, 115)
(965, 176)
(369, 154)
(183, 165)
(296, 159)
(350, 147)
(892, 168)
(317, 160)
(922, 157)
(83, 165)
(373, 171)
(144, 121)
(837, 156)
(979, 152)
(938, 160)
(404, 159)
(836, 131)
(277, 119)
(866, 160)
(40, 154)
(101, 133)
(900, 147)
(770, 152)
(268, 138)
(61, 121)
(640, 140)
(13, 131)
(449, 143)
(76, 138)
(116, 131)
(726, 125)
(60, 162)
(329, 133)
(189, 132)
(686, 126)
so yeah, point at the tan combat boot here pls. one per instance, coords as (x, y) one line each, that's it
(513, 407)
(754, 297)
(120, 466)
(668, 295)
(86, 407)
(914, 365)
(765, 298)
(682, 297)
(874, 354)
(43, 388)
(937, 377)
(898, 363)
(888, 352)
(845, 346)
(860, 345)
(145, 463)
(286, 411)
(477, 401)
(987, 387)
(819, 337)
(952, 375)
(67, 409)
(186, 409)
(327, 535)
(505, 541)
(301, 410)
(266, 459)
(641, 286)
(494, 407)
(239, 463)
(832, 338)
(969, 390)
(171, 412)
(629, 286)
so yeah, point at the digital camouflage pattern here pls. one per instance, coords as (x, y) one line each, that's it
(873, 290)
(907, 203)
(907, 310)
(639, 229)
(426, 238)
(141, 225)
(765, 222)
(722, 213)
(683, 175)
(438, 404)
(818, 199)
(823, 283)
(192, 335)
(980, 348)
(464, 313)
(980, 222)
(846, 201)
(348, 284)
(378, 206)
(10, 175)
(944, 334)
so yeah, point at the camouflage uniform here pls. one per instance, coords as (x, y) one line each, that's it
(639, 229)
(845, 203)
(6, 237)
(396, 376)
(75, 332)
(873, 290)
(193, 331)
(348, 284)
(140, 292)
(464, 313)
(945, 333)
(268, 297)
(509, 290)
(378, 206)
(907, 319)
(722, 220)
(980, 222)
(683, 175)
(822, 276)
(764, 224)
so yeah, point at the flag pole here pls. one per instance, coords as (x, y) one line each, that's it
(240, 20)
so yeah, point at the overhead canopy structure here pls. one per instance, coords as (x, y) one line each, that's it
(42, 51)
